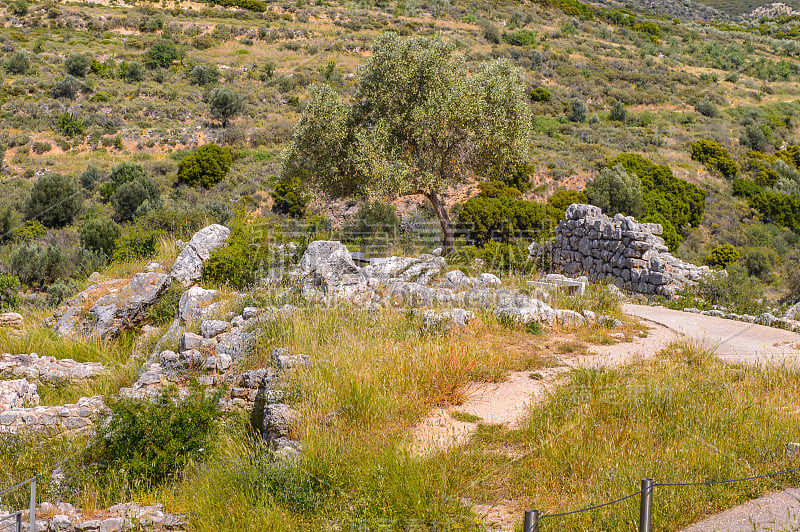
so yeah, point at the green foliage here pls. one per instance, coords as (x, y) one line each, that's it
(723, 256)
(77, 64)
(224, 104)
(672, 202)
(780, 209)
(19, 7)
(123, 173)
(66, 87)
(253, 5)
(577, 110)
(9, 221)
(244, 259)
(165, 309)
(616, 191)
(618, 112)
(792, 275)
(9, 292)
(18, 63)
(32, 230)
(734, 290)
(497, 256)
(373, 220)
(60, 291)
(133, 72)
(151, 442)
(91, 176)
(100, 235)
(521, 38)
(760, 261)
(755, 138)
(289, 197)
(714, 157)
(54, 200)
(70, 125)
(161, 55)
(707, 108)
(541, 94)
(562, 198)
(489, 31)
(206, 167)
(136, 243)
(204, 75)
(135, 198)
(39, 264)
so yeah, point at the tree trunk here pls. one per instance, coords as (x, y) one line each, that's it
(444, 220)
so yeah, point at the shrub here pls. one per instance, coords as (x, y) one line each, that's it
(497, 256)
(32, 230)
(290, 198)
(561, 199)
(204, 75)
(121, 174)
(149, 442)
(77, 64)
(19, 7)
(754, 138)
(60, 291)
(541, 94)
(614, 190)
(723, 256)
(706, 108)
(206, 167)
(66, 87)
(735, 290)
(9, 291)
(489, 31)
(792, 275)
(218, 211)
(90, 177)
(521, 38)
(54, 201)
(136, 243)
(373, 219)
(759, 261)
(134, 72)
(41, 147)
(161, 55)
(70, 125)
(224, 104)
(502, 217)
(780, 209)
(577, 111)
(134, 198)
(39, 264)
(618, 112)
(244, 259)
(18, 63)
(714, 157)
(166, 308)
(100, 235)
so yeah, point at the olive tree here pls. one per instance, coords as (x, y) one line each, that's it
(615, 190)
(419, 122)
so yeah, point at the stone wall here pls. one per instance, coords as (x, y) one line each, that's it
(619, 251)
(47, 369)
(52, 418)
(130, 517)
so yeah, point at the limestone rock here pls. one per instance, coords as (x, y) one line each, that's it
(11, 320)
(188, 267)
(277, 421)
(193, 301)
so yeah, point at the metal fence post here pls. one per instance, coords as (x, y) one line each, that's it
(32, 516)
(646, 506)
(531, 523)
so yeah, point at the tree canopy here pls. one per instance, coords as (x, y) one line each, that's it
(419, 123)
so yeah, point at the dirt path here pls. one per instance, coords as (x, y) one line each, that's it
(776, 512)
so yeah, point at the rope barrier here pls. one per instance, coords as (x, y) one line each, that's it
(709, 482)
(591, 507)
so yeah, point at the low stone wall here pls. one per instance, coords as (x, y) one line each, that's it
(619, 251)
(52, 418)
(18, 393)
(47, 369)
(129, 517)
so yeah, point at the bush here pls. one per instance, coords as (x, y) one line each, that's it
(161, 55)
(754, 138)
(60, 291)
(165, 309)
(521, 38)
(759, 261)
(134, 72)
(41, 147)
(246, 257)
(204, 75)
(70, 125)
(707, 108)
(90, 177)
(206, 167)
(18, 63)
(616, 191)
(66, 87)
(618, 112)
(100, 235)
(290, 198)
(19, 7)
(541, 94)
(723, 256)
(780, 209)
(9, 292)
(714, 157)
(54, 201)
(121, 174)
(372, 220)
(224, 104)
(561, 199)
(136, 243)
(135, 198)
(577, 111)
(77, 64)
(497, 256)
(735, 290)
(489, 31)
(149, 442)
(792, 275)
(39, 264)
(32, 230)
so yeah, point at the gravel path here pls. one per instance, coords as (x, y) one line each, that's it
(776, 512)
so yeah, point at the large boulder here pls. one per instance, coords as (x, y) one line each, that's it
(327, 268)
(112, 306)
(188, 267)
(194, 302)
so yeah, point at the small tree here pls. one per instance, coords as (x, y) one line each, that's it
(77, 64)
(66, 87)
(134, 72)
(161, 55)
(541, 94)
(723, 256)
(130, 197)
(18, 63)
(206, 167)
(706, 108)
(121, 174)
(289, 197)
(419, 123)
(70, 125)
(54, 201)
(614, 190)
(714, 157)
(618, 112)
(224, 104)
(100, 235)
(577, 111)
(204, 75)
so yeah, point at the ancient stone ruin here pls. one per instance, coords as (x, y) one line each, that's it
(620, 251)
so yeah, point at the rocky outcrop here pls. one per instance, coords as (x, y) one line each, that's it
(47, 369)
(619, 251)
(188, 267)
(129, 517)
(112, 306)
